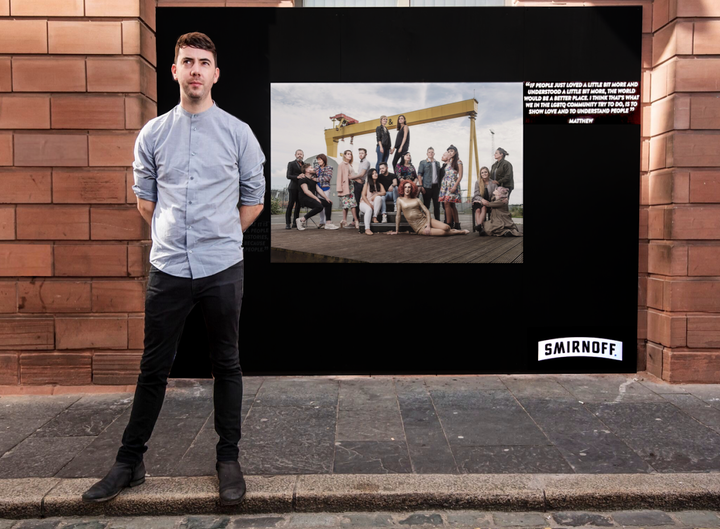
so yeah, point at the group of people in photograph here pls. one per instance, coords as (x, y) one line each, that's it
(368, 189)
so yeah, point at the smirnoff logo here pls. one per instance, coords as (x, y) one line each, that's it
(576, 346)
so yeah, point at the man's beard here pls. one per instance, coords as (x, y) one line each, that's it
(194, 96)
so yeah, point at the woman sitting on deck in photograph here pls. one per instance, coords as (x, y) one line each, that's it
(417, 215)
(484, 188)
(500, 223)
(373, 194)
(308, 190)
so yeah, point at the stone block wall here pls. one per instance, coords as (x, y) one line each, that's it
(681, 193)
(77, 82)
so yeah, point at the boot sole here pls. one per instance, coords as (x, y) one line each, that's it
(226, 503)
(108, 498)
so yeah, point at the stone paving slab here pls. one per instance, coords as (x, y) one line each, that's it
(663, 435)
(41, 456)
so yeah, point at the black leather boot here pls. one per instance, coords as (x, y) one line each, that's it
(121, 475)
(232, 482)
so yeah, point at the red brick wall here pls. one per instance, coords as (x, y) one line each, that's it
(681, 193)
(77, 81)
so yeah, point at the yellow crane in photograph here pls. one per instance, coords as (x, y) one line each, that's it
(349, 128)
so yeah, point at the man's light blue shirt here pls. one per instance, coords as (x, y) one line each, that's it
(198, 169)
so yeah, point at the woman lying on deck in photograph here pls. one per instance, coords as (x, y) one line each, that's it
(500, 223)
(417, 215)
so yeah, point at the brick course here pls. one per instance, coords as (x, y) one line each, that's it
(47, 8)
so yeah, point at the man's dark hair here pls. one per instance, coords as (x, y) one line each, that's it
(383, 163)
(363, 149)
(195, 40)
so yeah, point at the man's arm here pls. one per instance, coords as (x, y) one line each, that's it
(252, 179)
(504, 175)
(361, 174)
(145, 175)
(248, 214)
(146, 209)
(421, 170)
(293, 171)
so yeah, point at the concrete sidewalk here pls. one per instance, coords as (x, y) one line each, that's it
(321, 444)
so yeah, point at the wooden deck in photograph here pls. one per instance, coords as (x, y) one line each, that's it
(349, 246)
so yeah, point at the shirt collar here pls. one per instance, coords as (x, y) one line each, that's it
(209, 112)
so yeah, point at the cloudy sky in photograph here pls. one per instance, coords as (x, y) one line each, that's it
(300, 113)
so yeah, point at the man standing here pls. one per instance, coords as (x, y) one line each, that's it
(429, 171)
(199, 183)
(359, 180)
(294, 169)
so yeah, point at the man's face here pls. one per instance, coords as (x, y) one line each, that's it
(362, 154)
(383, 169)
(431, 154)
(195, 71)
(445, 157)
(299, 155)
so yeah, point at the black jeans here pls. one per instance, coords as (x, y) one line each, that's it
(168, 302)
(358, 193)
(433, 194)
(398, 158)
(328, 206)
(293, 201)
(317, 207)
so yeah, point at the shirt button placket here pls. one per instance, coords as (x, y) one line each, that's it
(189, 216)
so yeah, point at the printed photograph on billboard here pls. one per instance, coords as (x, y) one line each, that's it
(420, 123)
